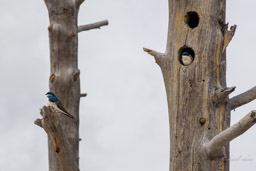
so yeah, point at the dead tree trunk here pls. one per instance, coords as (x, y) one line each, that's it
(194, 71)
(63, 133)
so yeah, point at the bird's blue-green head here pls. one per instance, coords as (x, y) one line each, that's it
(49, 94)
(185, 53)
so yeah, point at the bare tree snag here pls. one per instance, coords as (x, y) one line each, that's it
(51, 124)
(64, 81)
(214, 147)
(243, 98)
(194, 28)
(92, 26)
(198, 103)
(63, 56)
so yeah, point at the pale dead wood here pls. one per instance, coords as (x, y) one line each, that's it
(65, 76)
(64, 80)
(243, 98)
(154, 53)
(228, 35)
(38, 122)
(214, 146)
(190, 89)
(222, 94)
(157, 55)
(96, 25)
(51, 124)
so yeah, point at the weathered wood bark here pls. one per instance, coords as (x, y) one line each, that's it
(52, 126)
(64, 79)
(191, 89)
(197, 94)
(65, 82)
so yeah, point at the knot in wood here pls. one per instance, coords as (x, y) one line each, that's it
(202, 120)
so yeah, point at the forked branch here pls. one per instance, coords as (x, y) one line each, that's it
(243, 98)
(215, 145)
(96, 25)
(51, 124)
(228, 35)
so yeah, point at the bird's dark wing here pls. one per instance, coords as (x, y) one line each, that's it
(60, 106)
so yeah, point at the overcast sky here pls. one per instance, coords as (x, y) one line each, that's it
(124, 118)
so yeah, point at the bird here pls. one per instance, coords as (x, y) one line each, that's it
(54, 102)
(186, 58)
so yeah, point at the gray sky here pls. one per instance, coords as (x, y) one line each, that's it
(124, 119)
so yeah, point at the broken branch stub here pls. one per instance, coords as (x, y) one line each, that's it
(157, 55)
(221, 95)
(228, 35)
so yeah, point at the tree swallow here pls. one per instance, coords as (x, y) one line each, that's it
(186, 58)
(54, 102)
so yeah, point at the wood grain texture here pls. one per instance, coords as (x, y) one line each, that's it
(64, 66)
(64, 78)
(63, 150)
(190, 89)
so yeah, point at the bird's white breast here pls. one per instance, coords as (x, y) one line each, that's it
(49, 103)
(186, 60)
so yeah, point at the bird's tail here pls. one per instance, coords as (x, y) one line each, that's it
(68, 115)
